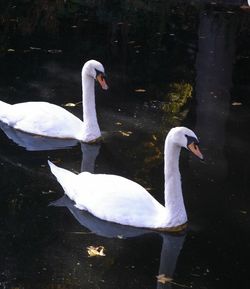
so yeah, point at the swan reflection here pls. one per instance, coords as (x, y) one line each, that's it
(171, 243)
(35, 143)
(47, 119)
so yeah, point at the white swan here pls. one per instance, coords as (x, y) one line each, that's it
(47, 119)
(120, 200)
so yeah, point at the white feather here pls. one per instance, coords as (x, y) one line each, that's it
(117, 199)
(47, 119)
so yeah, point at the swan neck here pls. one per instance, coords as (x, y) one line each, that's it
(171, 162)
(88, 99)
(173, 191)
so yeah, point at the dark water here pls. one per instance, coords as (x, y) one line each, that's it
(148, 49)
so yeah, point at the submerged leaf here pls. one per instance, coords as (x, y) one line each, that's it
(95, 251)
(35, 48)
(54, 51)
(243, 212)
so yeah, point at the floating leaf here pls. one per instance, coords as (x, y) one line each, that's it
(118, 123)
(162, 278)
(236, 103)
(125, 133)
(140, 90)
(95, 251)
(70, 104)
(154, 137)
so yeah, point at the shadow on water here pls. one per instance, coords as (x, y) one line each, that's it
(152, 52)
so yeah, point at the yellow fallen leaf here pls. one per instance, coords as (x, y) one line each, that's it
(162, 278)
(125, 133)
(95, 251)
(236, 103)
(154, 137)
(140, 90)
(70, 104)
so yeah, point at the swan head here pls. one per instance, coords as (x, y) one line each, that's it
(95, 70)
(186, 138)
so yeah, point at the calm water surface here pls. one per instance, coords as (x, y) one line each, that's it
(147, 50)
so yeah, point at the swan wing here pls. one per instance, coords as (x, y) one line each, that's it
(116, 199)
(111, 197)
(44, 119)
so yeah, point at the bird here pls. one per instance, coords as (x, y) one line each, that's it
(50, 120)
(120, 200)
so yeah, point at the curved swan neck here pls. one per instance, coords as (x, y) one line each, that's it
(88, 99)
(171, 154)
(173, 191)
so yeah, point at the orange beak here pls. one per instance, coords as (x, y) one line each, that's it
(194, 148)
(101, 79)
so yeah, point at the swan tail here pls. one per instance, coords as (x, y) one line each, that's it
(65, 179)
(4, 111)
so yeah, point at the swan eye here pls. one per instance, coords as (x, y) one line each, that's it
(191, 139)
(99, 73)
